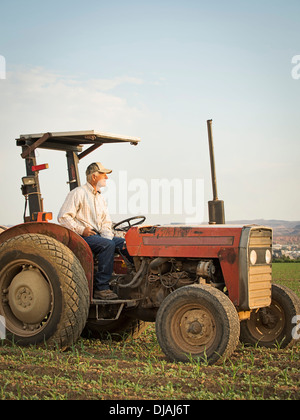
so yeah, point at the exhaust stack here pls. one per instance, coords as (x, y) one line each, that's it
(215, 207)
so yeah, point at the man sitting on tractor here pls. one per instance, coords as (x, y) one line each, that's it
(85, 212)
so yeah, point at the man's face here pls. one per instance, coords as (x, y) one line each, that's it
(100, 179)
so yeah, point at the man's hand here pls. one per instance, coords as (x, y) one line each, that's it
(88, 232)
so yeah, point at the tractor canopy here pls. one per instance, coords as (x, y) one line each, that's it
(73, 141)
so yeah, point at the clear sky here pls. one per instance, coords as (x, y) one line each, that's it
(157, 70)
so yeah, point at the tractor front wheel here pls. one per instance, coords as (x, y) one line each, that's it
(44, 295)
(275, 325)
(197, 322)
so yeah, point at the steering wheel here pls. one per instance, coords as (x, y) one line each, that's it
(116, 227)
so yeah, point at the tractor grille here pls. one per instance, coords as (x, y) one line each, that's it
(260, 271)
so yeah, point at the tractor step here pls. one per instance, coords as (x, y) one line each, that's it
(127, 302)
(110, 310)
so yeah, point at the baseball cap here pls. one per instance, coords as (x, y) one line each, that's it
(97, 167)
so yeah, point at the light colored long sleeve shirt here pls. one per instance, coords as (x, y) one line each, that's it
(85, 208)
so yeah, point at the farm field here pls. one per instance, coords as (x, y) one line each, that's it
(136, 369)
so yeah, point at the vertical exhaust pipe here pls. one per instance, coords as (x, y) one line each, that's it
(216, 211)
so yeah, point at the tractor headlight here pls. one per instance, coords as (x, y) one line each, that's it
(268, 256)
(253, 257)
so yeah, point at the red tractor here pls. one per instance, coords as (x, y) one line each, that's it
(206, 287)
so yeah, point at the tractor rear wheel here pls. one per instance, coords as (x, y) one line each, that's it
(197, 322)
(275, 325)
(44, 295)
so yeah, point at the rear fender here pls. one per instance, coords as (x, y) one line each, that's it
(67, 237)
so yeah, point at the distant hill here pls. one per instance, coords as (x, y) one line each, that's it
(284, 231)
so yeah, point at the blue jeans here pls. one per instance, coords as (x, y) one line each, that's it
(105, 249)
